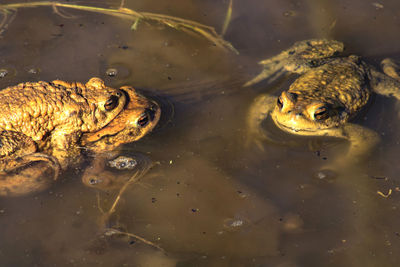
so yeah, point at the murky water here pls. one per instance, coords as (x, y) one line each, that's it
(211, 201)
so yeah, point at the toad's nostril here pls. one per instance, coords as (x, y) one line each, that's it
(143, 120)
(279, 102)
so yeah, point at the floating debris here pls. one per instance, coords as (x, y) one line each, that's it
(236, 223)
(383, 195)
(124, 47)
(233, 224)
(292, 223)
(33, 71)
(325, 175)
(289, 13)
(378, 5)
(6, 17)
(8, 11)
(378, 177)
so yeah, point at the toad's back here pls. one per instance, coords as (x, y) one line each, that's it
(35, 108)
(340, 84)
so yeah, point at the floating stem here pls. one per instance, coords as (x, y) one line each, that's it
(205, 31)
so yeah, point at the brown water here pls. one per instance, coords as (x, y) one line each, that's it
(211, 201)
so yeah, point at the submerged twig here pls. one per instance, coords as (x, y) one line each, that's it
(8, 17)
(62, 14)
(106, 215)
(112, 231)
(135, 24)
(134, 178)
(205, 31)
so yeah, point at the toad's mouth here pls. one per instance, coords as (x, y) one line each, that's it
(307, 131)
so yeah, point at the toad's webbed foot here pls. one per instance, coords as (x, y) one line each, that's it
(299, 58)
(391, 68)
(387, 83)
(259, 111)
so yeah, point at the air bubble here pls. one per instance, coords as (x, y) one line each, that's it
(33, 71)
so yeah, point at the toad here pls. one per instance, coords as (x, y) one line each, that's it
(45, 126)
(109, 170)
(329, 93)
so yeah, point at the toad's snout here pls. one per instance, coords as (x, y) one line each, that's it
(152, 111)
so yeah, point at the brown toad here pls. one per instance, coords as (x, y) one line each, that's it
(53, 121)
(109, 169)
(329, 93)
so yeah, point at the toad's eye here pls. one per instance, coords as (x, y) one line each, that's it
(321, 113)
(279, 102)
(111, 103)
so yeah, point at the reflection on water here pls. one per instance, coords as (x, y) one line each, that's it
(209, 201)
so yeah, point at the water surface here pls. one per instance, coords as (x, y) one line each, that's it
(211, 201)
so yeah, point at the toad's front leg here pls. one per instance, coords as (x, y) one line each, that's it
(387, 83)
(259, 111)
